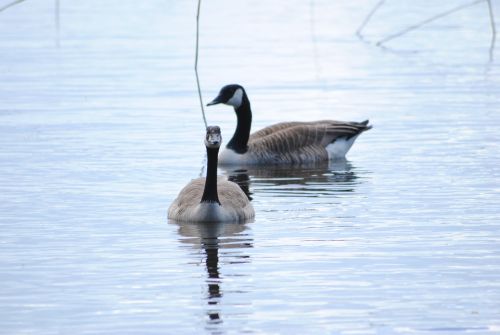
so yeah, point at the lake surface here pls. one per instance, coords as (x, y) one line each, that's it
(100, 127)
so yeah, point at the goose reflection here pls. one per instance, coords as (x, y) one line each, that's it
(305, 180)
(241, 178)
(214, 239)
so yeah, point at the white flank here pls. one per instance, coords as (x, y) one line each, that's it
(229, 157)
(212, 212)
(339, 148)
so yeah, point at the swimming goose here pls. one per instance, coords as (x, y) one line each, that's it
(286, 142)
(211, 199)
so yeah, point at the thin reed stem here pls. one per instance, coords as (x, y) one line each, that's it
(493, 29)
(196, 62)
(57, 19)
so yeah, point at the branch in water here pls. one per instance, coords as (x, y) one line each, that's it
(369, 16)
(10, 5)
(429, 20)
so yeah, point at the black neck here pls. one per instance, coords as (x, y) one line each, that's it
(210, 192)
(239, 142)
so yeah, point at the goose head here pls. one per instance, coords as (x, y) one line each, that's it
(213, 139)
(231, 95)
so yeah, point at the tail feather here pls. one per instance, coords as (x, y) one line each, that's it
(362, 126)
(365, 125)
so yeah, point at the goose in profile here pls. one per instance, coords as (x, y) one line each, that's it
(211, 199)
(286, 142)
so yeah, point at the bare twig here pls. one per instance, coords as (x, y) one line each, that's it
(493, 30)
(314, 40)
(196, 62)
(434, 18)
(10, 5)
(369, 16)
(57, 9)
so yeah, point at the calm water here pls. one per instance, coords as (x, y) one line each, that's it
(100, 128)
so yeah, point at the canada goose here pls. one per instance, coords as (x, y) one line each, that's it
(286, 142)
(211, 199)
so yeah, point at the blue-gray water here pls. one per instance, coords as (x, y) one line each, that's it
(100, 127)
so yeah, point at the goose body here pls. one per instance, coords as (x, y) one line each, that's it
(234, 204)
(286, 142)
(212, 198)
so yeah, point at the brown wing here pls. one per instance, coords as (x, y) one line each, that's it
(231, 195)
(298, 142)
(232, 198)
(352, 128)
(273, 129)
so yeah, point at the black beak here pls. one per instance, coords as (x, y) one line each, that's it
(216, 101)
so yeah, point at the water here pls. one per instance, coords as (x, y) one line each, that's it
(100, 128)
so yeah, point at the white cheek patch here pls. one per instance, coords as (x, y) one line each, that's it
(236, 99)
